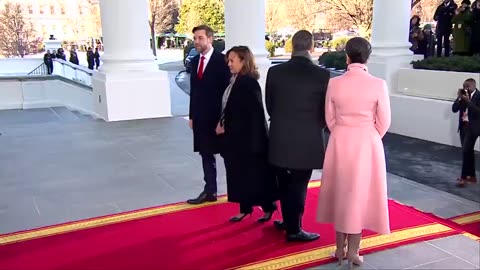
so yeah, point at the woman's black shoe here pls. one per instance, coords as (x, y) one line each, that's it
(239, 218)
(266, 217)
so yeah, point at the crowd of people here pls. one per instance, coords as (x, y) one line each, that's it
(93, 58)
(462, 22)
(269, 163)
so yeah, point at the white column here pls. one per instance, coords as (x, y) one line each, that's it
(245, 25)
(390, 32)
(129, 84)
(390, 36)
(125, 35)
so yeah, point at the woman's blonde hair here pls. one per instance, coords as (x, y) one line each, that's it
(246, 56)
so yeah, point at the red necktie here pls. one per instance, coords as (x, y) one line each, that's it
(200, 67)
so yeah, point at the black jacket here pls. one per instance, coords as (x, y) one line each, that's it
(250, 179)
(206, 101)
(473, 107)
(443, 16)
(295, 99)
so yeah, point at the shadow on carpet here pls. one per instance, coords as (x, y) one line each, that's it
(432, 164)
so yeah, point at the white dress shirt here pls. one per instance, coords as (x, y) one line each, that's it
(207, 56)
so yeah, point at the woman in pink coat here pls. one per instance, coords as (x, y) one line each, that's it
(353, 194)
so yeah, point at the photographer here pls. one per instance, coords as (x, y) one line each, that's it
(468, 104)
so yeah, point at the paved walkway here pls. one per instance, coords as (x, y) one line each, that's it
(56, 166)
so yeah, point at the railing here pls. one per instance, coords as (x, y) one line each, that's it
(42, 69)
(76, 73)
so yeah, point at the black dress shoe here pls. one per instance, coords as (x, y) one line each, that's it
(239, 218)
(203, 197)
(266, 217)
(279, 225)
(302, 236)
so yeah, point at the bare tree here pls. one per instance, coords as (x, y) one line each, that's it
(358, 13)
(163, 17)
(302, 14)
(273, 14)
(17, 35)
(96, 20)
(425, 9)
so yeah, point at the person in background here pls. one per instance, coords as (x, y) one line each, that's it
(74, 57)
(475, 26)
(61, 54)
(426, 46)
(443, 16)
(209, 78)
(48, 61)
(462, 29)
(251, 180)
(468, 104)
(353, 194)
(96, 57)
(416, 34)
(90, 58)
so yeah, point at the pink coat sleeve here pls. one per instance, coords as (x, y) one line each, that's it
(330, 114)
(383, 117)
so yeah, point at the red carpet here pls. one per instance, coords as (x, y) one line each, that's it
(469, 223)
(201, 238)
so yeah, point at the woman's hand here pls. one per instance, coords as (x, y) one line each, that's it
(220, 130)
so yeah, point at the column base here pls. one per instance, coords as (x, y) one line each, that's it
(127, 95)
(386, 67)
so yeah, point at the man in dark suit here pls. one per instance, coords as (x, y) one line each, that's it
(209, 78)
(295, 100)
(468, 104)
(443, 16)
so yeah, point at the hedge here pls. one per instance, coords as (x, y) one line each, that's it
(452, 63)
(336, 60)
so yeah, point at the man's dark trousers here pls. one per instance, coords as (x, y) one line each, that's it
(293, 185)
(468, 147)
(210, 173)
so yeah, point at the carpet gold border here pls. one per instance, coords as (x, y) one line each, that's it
(303, 258)
(109, 220)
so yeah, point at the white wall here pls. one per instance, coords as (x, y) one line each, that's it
(432, 84)
(425, 119)
(19, 65)
(17, 94)
(422, 104)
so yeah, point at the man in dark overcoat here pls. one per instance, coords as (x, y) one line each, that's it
(209, 78)
(295, 100)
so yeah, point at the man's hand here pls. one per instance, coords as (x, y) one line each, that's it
(219, 130)
(190, 123)
(460, 92)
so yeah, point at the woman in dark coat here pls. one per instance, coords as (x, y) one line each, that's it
(251, 181)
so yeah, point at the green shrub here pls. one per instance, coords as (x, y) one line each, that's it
(336, 60)
(339, 43)
(288, 46)
(270, 47)
(453, 63)
(327, 44)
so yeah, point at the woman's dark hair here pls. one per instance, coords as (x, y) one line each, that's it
(358, 50)
(418, 20)
(245, 54)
